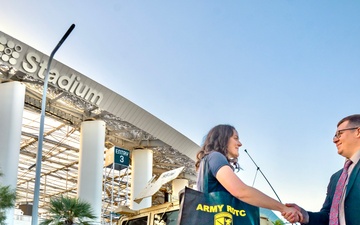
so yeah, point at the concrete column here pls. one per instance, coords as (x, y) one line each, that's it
(91, 161)
(141, 173)
(11, 113)
(177, 186)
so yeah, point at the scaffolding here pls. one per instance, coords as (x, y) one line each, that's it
(116, 180)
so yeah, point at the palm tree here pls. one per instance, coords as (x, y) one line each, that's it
(67, 210)
(278, 222)
(7, 200)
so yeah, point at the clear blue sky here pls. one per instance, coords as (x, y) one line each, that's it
(282, 72)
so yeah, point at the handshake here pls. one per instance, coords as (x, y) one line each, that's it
(295, 213)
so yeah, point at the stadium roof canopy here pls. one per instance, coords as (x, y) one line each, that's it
(71, 99)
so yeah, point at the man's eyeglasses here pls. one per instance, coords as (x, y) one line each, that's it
(339, 132)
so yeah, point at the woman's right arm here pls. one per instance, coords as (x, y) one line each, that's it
(234, 185)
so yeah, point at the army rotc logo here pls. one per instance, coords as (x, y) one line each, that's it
(223, 218)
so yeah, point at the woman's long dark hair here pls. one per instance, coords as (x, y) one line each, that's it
(217, 140)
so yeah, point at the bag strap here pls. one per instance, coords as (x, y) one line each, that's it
(205, 175)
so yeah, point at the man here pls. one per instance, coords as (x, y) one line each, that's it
(345, 210)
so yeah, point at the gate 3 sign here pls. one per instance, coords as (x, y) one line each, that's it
(121, 156)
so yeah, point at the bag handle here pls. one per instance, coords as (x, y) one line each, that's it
(205, 175)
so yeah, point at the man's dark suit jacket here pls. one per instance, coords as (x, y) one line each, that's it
(352, 200)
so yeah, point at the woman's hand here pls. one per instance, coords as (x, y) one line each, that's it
(292, 214)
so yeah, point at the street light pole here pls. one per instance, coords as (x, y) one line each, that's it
(34, 220)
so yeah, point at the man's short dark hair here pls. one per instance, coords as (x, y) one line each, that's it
(354, 120)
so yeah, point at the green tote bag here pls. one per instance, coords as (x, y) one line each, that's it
(215, 208)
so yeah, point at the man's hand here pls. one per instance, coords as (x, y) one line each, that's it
(304, 214)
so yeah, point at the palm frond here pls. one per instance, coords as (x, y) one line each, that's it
(7, 200)
(67, 210)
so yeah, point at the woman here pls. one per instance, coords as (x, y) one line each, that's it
(221, 147)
